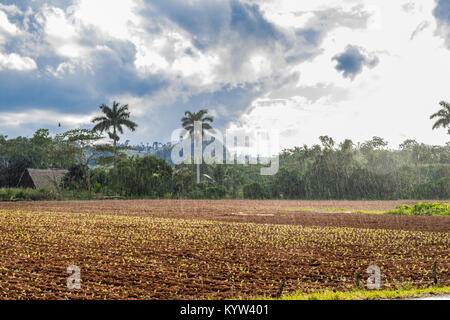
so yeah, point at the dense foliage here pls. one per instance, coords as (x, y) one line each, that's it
(26, 195)
(364, 171)
(423, 209)
(40, 151)
(348, 171)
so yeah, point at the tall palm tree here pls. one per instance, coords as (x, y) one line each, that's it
(113, 122)
(188, 123)
(443, 116)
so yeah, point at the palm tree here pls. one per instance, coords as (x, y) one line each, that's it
(115, 119)
(443, 116)
(188, 123)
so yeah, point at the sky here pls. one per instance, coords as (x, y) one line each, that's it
(348, 69)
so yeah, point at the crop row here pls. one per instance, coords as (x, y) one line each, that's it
(133, 257)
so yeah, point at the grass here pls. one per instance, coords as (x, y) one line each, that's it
(369, 212)
(12, 194)
(419, 209)
(18, 194)
(365, 294)
(423, 209)
(333, 210)
(302, 210)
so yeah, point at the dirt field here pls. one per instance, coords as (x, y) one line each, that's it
(219, 249)
(271, 212)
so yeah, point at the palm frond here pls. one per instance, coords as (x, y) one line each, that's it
(99, 119)
(440, 123)
(443, 116)
(445, 104)
(209, 118)
(202, 112)
(189, 128)
(128, 123)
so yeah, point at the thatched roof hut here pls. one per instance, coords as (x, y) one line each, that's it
(48, 179)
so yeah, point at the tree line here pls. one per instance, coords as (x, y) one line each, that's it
(328, 170)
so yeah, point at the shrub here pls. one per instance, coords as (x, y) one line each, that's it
(254, 191)
(141, 177)
(216, 192)
(423, 209)
(26, 195)
(196, 194)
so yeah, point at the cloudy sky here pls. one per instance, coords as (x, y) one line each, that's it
(348, 69)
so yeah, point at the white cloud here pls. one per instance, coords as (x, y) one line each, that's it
(14, 61)
(66, 29)
(7, 26)
(63, 34)
(394, 100)
(171, 52)
(115, 18)
(43, 118)
(11, 9)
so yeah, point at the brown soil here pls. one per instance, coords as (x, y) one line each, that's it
(167, 249)
(271, 212)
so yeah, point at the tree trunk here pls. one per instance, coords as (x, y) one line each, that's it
(87, 176)
(115, 146)
(197, 144)
(198, 174)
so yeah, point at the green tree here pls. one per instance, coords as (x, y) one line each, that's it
(184, 181)
(442, 116)
(85, 148)
(113, 122)
(188, 123)
(288, 184)
(40, 151)
(254, 191)
(142, 176)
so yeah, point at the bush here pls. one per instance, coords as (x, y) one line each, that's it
(254, 191)
(75, 179)
(26, 195)
(216, 192)
(184, 181)
(141, 177)
(196, 194)
(423, 209)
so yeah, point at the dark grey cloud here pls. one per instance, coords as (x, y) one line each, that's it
(442, 14)
(110, 72)
(37, 4)
(352, 61)
(326, 20)
(442, 11)
(240, 29)
(210, 22)
(311, 36)
(88, 82)
(235, 29)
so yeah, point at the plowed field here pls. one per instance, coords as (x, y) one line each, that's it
(166, 249)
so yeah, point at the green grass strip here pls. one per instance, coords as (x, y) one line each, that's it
(364, 294)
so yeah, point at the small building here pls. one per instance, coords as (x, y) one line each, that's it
(48, 179)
